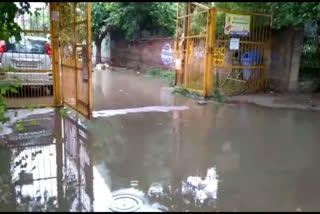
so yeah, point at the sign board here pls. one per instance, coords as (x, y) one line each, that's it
(167, 54)
(218, 56)
(237, 24)
(234, 43)
(178, 64)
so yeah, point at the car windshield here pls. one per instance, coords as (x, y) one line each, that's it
(27, 46)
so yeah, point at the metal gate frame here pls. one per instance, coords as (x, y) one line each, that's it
(232, 70)
(215, 50)
(80, 99)
(193, 62)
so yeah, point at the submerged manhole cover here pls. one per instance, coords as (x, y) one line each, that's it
(126, 203)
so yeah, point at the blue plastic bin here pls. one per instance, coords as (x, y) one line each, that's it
(249, 58)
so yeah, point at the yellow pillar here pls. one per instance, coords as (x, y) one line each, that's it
(89, 43)
(54, 29)
(211, 39)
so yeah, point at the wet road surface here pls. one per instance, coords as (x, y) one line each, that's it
(213, 157)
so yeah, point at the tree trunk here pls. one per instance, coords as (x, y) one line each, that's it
(98, 42)
(98, 51)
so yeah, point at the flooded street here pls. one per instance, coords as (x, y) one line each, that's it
(176, 156)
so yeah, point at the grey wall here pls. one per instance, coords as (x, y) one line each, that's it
(285, 60)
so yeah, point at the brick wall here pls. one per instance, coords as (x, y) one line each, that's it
(143, 53)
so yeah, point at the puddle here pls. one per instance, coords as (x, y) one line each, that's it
(16, 115)
(212, 157)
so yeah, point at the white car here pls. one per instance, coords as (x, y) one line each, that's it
(29, 60)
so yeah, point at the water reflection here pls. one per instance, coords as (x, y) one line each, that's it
(174, 161)
(49, 172)
(194, 192)
(52, 170)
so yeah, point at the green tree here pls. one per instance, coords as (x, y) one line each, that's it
(102, 23)
(131, 18)
(8, 27)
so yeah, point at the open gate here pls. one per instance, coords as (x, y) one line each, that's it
(75, 55)
(225, 50)
(52, 62)
(191, 45)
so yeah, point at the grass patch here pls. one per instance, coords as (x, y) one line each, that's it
(216, 95)
(168, 75)
(63, 112)
(185, 92)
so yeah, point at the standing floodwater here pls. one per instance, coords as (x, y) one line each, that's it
(213, 157)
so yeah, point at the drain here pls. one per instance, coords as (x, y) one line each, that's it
(126, 203)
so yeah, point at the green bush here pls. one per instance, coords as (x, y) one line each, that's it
(169, 75)
(4, 89)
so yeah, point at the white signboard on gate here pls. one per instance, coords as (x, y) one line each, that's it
(234, 43)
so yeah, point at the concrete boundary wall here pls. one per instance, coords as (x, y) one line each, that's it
(141, 54)
(285, 60)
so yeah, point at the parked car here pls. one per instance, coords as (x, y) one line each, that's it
(24, 59)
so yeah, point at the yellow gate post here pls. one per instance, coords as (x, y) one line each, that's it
(75, 50)
(54, 23)
(211, 37)
(89, 35)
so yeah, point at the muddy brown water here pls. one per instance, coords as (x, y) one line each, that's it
(213, 157)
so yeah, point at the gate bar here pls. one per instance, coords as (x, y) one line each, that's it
(55, 53)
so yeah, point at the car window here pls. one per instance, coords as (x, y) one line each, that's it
(27, 46)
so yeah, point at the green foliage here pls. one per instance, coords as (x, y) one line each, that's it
(6, 87)
(217, 96)
(8, 27)
(31, 108)
(285, 14)
(63, 112)
(169, 76)
(198, 22)
(20, 126)
(131, 17)
(33, 122)
(186, 92)
(295, 14)
(310, 59)
(181, 91)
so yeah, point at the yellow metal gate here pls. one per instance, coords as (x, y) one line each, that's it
(242, 51)
(75, 55)
(52, 62)
(191, 43)
(224, 50)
